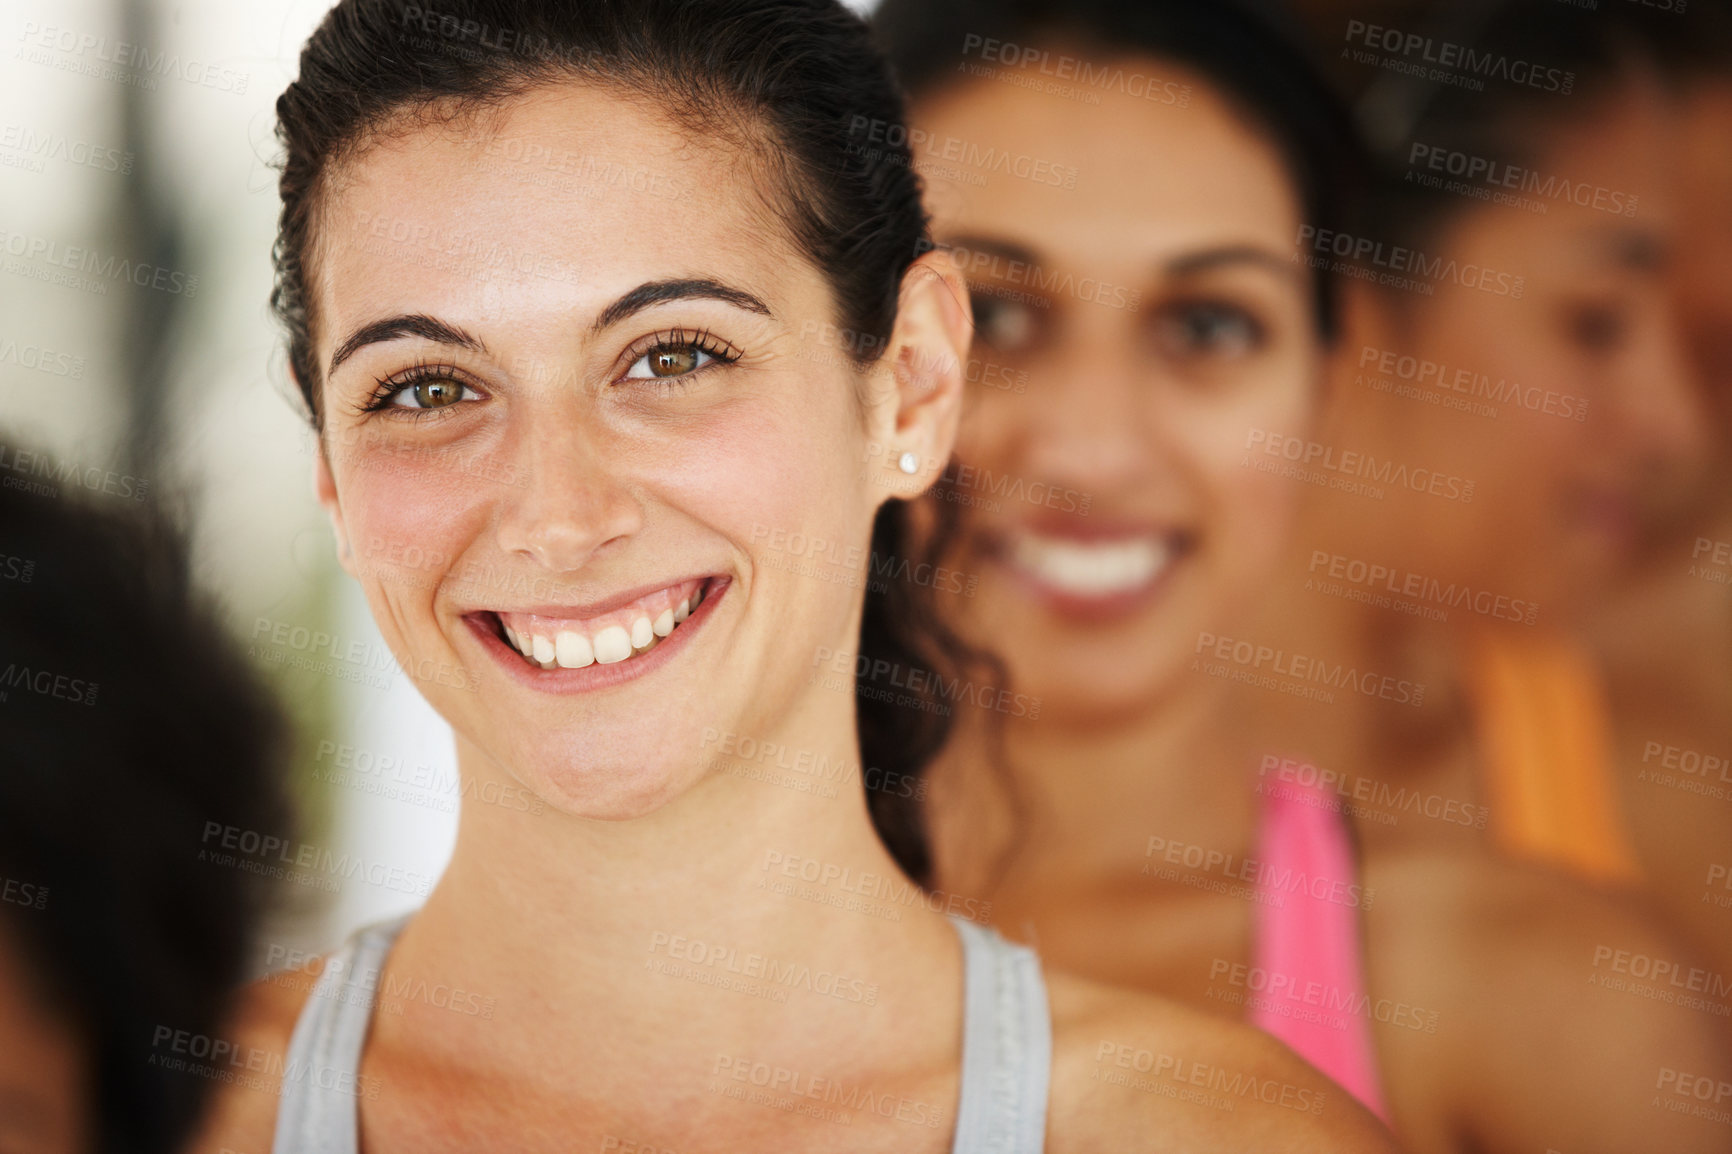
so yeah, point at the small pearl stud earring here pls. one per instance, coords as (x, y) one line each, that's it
(908, 463)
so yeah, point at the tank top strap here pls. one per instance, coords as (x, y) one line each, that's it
(1006, 1047)
(321, 1075)
(1308, 936)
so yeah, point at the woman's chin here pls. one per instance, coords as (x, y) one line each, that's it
(607, 780)
(603, 793)
(1099, 675)
(1101, 700)
(1103, 681)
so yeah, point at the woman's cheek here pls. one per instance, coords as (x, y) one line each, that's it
(758, 473)
(409, 519)
(1522, 456)
(991, 421)
(1227, 437)
(1251, 510)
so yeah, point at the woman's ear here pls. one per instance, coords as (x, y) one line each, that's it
(914, 426)
(325, 488)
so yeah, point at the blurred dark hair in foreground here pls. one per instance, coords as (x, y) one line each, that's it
(128, 724)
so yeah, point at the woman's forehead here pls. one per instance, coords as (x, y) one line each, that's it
(560, 200)
(1145, 179)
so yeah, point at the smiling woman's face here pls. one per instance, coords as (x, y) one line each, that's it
(1133, 326)
(568, 414)
(1571, 405)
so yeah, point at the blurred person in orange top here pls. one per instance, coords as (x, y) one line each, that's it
(1519, 428)
(1667, 642)
(1517, 416)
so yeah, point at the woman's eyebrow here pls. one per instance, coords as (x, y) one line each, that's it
(408, 325)
(1185, 264)
(661, 291)
(1209, 259)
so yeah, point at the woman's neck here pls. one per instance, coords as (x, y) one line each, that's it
(1064, 802)
(749, 915)
(1076, 805)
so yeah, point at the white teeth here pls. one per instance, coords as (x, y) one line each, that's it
(612, 644)
(1092, 570)
(573, 650)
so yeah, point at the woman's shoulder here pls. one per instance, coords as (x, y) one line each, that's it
(1490, 922)
(1132, 1071)
(1561, 1005)
(242, 1113)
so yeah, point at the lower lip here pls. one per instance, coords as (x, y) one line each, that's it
(595, 675)
(1088, 608)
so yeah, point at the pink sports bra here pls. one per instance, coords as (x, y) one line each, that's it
(1307, 952)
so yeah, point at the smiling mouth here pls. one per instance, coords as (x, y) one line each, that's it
(1102, 569)
(621, 634)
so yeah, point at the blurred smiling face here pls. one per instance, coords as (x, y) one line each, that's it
(1596, 436)
(1133, 325)
(561, 420)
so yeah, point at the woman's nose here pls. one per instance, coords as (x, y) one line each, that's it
(1089, 425)
(566, 501)
(1661, 406)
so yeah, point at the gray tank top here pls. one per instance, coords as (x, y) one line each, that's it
(1006, 1048)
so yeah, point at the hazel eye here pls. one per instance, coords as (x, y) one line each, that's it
(423, 389)
(434, 393)
(673, 355)
(673, 360)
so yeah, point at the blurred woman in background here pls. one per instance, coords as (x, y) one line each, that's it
(1666, 643)
(1138, 307)
(1151, 340)
(1512, 337)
